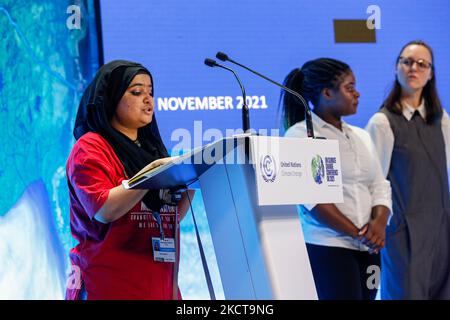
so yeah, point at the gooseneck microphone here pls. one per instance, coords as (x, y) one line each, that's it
(245, 114)
(309, 126)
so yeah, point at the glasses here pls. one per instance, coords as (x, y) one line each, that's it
(421, 63)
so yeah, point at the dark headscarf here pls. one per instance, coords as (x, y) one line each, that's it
(98, 105)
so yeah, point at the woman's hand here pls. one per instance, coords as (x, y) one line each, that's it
(159, 162)
(156, 163)
(373, 234)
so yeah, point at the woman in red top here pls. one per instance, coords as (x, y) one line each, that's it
(117, 136)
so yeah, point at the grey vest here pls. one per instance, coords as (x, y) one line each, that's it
(416, 260)
(418, 170)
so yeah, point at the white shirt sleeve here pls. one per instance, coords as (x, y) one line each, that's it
(383, 138)
(380, 188)
(445, 124)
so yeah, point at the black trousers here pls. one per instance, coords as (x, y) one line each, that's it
(344, 274)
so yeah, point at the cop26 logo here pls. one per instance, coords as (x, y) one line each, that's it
(318, 169)
(268, 168)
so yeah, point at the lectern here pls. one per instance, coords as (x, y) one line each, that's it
(250, 187)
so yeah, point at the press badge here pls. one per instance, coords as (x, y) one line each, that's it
(163, 249)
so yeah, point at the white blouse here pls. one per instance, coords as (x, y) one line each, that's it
(364, 185)
(383, 137)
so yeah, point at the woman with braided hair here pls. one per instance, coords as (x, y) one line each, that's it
(342, 239)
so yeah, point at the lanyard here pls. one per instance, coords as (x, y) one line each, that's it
(157, 216)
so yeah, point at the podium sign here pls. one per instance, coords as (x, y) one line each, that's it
(294, 170)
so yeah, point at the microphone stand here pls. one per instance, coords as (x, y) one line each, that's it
(245, 111)
(308, 118)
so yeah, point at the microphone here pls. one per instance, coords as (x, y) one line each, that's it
(308, 118)
(245, 114)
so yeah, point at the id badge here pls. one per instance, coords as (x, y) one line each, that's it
(163, 249)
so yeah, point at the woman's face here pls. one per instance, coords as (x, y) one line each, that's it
(344, 100)
(135, 108)
(414, 68)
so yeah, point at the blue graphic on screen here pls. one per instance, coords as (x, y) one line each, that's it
(43, 68)
(196, 104)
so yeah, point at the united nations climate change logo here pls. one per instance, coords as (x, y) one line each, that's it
(268, 168)
(318, 169)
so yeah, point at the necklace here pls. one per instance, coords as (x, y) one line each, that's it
(137, 143)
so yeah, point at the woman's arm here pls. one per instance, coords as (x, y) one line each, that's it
(121, 200)
(383, 139)
(331, 216)
(445, 125)
(118, 203)
(374, 233)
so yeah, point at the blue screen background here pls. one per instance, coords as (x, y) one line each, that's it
(45, 66)
(172, 38)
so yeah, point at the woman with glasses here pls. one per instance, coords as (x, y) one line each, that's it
(411, 133)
